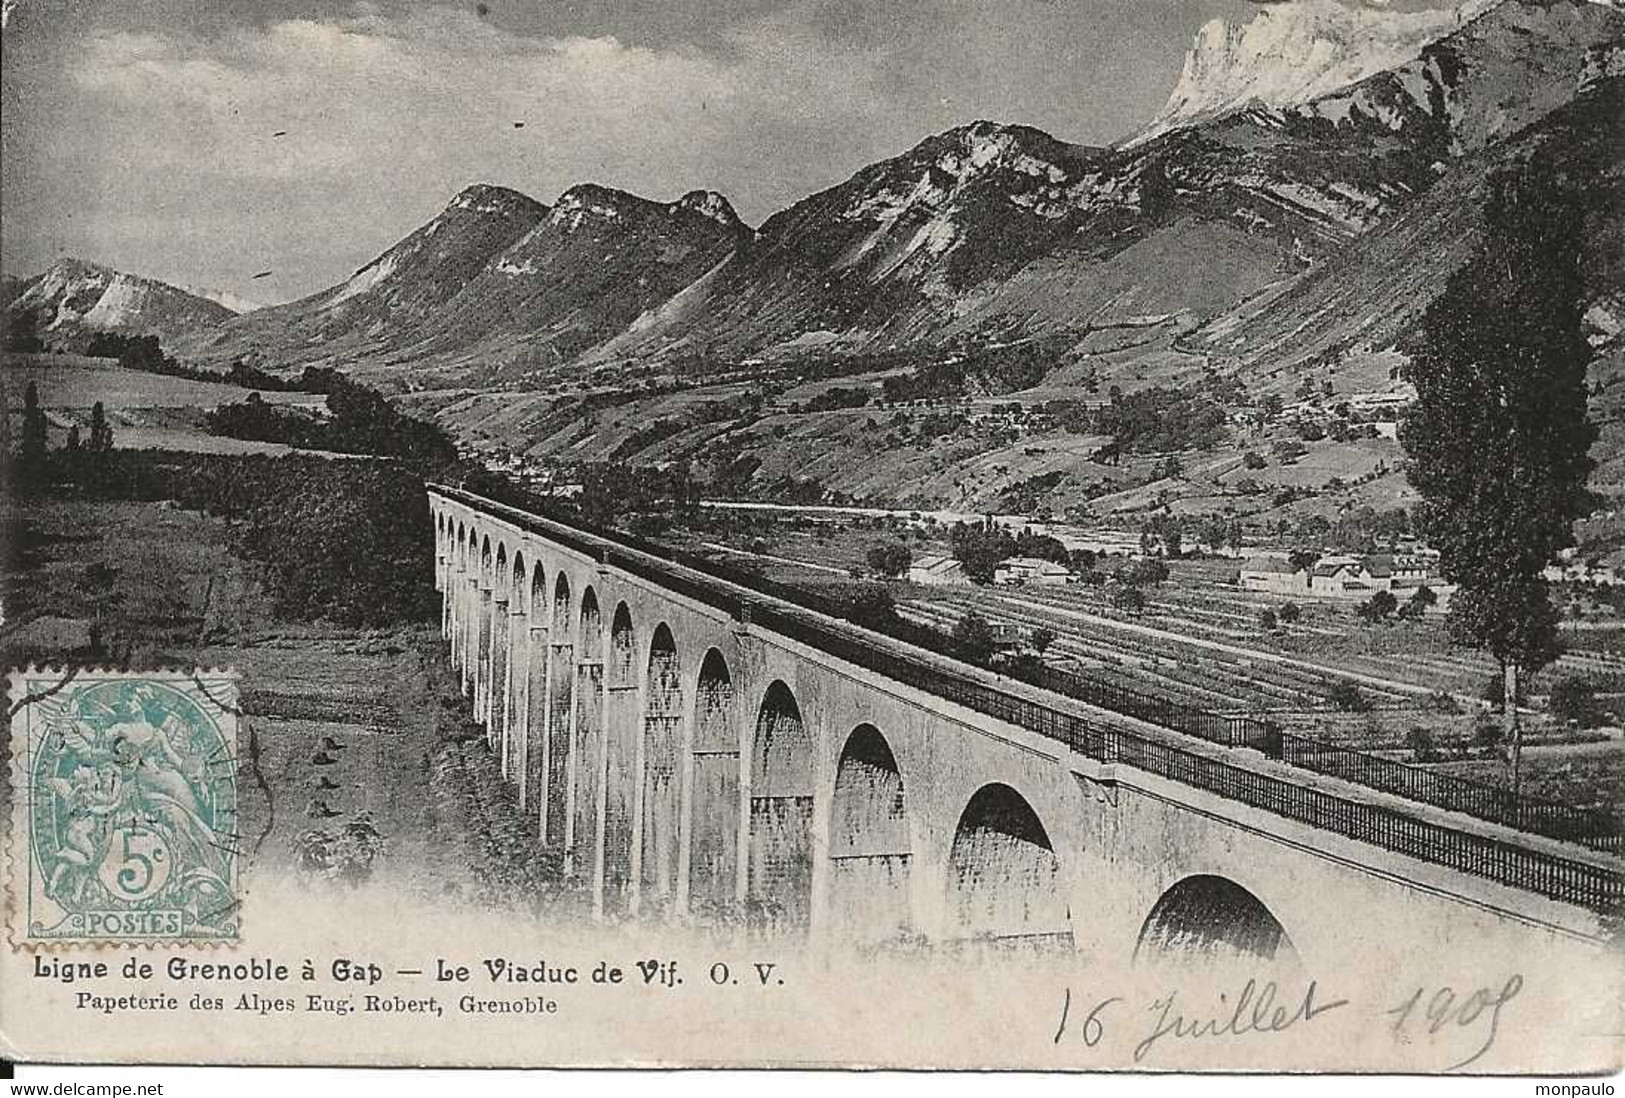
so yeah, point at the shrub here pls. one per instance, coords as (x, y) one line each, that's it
(1419, 741)
(1348, 697)
(1128, 597)
(1574, 699)
(891, 559)
(1289, 613)
(1267, 620)
(973, 637)
(1379, 607)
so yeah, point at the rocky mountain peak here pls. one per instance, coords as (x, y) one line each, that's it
(1291, 53)
(712, 205)
(488, 198)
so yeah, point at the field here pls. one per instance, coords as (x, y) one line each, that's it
(147, 411)
(1199, 642)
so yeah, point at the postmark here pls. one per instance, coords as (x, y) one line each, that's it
(124, 807)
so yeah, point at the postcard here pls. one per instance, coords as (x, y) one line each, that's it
(1070, 537)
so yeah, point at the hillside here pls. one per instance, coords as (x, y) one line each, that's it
(1374, 296)
(71, 301)
(1278, 230)
(381, 305)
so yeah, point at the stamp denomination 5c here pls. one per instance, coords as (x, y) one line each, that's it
(124, 819)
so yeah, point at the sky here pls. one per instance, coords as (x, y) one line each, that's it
(144, 133)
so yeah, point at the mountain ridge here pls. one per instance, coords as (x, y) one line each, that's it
(72, 300)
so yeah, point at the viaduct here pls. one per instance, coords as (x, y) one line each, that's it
(700, 750)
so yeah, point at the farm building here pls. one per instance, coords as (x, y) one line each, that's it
(1348, 576)
(937, 571)
(1273, 576)
(1018, 571)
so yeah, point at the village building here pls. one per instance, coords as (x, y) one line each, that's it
(937, 571)
(1019, 571)
(1350, 576)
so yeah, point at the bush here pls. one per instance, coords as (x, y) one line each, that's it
(1142, 572)
(891, 559)
(1128, 597)
(1379, 607)
(973, 637)
(1574, 699)
(1419, 741)
(1289, 613)
(1267, 620)
(1252, 459)
(1348, 697)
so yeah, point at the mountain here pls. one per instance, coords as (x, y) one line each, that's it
(1497, 74)
(232, 300)
(1373, 297)
(495, 284)
(599, 259)
(1245, 228)
(379, 305)
(1524, 79)
(72, 300)
(1292, 53)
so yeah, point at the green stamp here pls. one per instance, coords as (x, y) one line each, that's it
(125, 807)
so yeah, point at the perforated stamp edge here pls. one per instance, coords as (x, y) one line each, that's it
(214, 687)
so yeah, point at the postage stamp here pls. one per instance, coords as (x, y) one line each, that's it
(124, 807)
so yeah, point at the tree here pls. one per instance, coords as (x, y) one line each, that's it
(31, 461)
(1041, 638)
(1422, 746)
(1347, 696)
(1574, 699)
(1289, 613)
(1418, 604)
(891, 559)
(973, 636)
(101, 432)
(1498, 440)
(1273, 406)
(1173, 541)
(1128, 597)
(980, 548)
(1267, 621)
(1379, 607)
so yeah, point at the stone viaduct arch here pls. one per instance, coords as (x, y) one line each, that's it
(870, 847)
(1212, 920)
(779, 882)
(688, 761)
(662, 771)
(713, 816)
(623, 681)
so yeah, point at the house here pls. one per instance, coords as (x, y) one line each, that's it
(1351, 576)
(1346, 575)
(937, 571)
(1018, 571)
(1274, 576)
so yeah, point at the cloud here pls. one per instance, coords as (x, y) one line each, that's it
(149, 143)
